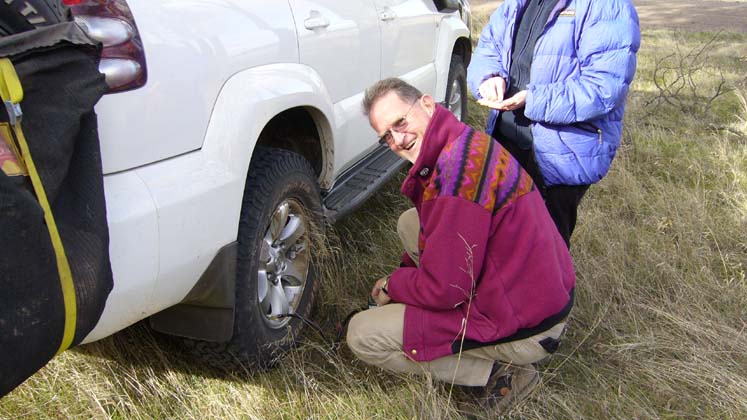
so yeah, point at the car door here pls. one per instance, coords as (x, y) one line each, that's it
(340, 40)
(408, 41)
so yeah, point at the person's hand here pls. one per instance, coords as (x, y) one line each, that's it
(378, 295)
(493, 89)
(515, 102)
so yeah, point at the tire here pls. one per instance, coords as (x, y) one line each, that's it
(24, 15)
(281, 211)
(456, 89)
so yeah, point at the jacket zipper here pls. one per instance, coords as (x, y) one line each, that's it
(587, 126)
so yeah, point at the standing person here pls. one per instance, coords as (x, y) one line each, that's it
(556, 74)
(485, 274)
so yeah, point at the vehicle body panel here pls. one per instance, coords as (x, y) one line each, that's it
(193, 200)
(407, 35)
(188, 62)
(341, 42)
(176, 152)
(450, 29)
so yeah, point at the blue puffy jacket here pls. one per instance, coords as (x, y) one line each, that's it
(583, 64)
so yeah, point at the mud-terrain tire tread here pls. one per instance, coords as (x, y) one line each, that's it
(255, 346)
(457, 71)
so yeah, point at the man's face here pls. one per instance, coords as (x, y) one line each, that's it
(404, 122)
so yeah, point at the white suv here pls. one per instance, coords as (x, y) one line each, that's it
(233, 130)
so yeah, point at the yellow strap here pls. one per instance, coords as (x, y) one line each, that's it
(10, 86)
(11, 90)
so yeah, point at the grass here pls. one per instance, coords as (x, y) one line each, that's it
(658, 330)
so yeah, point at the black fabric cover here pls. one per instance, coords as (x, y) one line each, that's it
(58, 68)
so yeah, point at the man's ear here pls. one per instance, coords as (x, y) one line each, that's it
(429, 104)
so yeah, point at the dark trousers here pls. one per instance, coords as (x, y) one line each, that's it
(561, 200)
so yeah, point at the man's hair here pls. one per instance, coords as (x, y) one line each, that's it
(404, 90)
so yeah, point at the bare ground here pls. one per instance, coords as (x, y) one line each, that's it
(690, 15)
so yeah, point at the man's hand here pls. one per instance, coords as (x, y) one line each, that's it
(515, 102)
(378, 295)
(493, 89)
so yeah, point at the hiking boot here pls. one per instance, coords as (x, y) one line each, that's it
(508, 384)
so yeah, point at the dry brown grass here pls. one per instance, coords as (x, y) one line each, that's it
(658, 330)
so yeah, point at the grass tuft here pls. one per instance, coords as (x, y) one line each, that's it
(658, 330)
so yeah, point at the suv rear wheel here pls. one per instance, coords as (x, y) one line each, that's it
(456, 88)
(275, 274)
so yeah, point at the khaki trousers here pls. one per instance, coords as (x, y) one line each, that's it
(375, 336)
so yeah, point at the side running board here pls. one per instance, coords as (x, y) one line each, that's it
(360, 182)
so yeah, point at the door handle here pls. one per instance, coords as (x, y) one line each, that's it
(387, 14)
(315, 21)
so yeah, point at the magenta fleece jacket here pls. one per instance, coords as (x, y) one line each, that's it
(484, 233)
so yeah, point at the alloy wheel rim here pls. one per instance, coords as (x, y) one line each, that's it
(455, 99)
(283, 263)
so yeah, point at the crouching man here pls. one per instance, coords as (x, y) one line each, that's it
(485, 272)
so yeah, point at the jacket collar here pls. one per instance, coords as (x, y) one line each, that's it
(559, 6)
(442, 129)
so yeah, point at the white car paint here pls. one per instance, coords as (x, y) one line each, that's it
(192, 48)
(341, 42)
(407, 32)
(176, 151)
(195, 198)
(448, 31)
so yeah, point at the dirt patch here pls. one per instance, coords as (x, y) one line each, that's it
(689, 15)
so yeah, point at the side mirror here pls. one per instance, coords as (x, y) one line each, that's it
(447, 6)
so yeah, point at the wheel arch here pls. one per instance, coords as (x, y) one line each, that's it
(278, 105)
(289, 108)
(304, 130)
(463, 48)
(453, 40)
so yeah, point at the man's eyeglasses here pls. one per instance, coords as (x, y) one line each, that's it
(399, 125)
